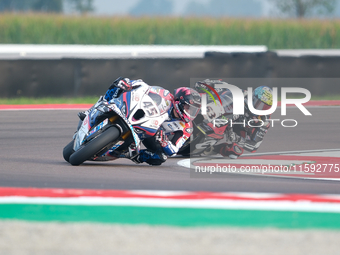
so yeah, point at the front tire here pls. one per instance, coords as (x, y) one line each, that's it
(94, 146)
(68, 151)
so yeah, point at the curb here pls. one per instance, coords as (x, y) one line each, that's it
(175, 208)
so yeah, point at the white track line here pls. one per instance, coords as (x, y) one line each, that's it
(287, 152)
(188, 163)
(182, 203)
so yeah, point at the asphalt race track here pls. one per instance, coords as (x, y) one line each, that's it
(32, 142)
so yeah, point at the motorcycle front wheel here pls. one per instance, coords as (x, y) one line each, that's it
(68, 150)
(94, 146)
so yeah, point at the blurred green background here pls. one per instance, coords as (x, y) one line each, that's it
(275, 34)
(287, 24)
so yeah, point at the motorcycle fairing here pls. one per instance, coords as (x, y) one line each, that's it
(85, 131)
(139, 103)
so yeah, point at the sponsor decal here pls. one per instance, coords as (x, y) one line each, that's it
(117, 145)
(175, 124)
(138, 131)
(182, 141)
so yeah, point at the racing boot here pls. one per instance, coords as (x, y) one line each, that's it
(152, 158)
(233, 151)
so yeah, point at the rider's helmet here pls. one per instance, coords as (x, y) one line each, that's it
(187, 103)
(262, 98)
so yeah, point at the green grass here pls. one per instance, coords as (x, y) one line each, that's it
(92, 100)
(274, 33)
(185, 217)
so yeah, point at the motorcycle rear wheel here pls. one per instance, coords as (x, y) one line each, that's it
(94, 146)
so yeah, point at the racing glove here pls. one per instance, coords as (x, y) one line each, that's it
(117, 87)
(168, 147)
(122, 83)
(232, 151)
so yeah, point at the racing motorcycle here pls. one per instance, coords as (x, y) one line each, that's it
(204, 138)
(116, 128)
(209, 129)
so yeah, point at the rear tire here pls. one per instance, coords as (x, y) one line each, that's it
(68, 151)
(94, 146)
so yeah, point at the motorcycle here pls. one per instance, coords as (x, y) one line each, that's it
(116, 128)
(210, 132)
(209, 129)
(204, 139)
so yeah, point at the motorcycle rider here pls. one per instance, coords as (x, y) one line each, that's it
(250, 129)
(181, 109)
